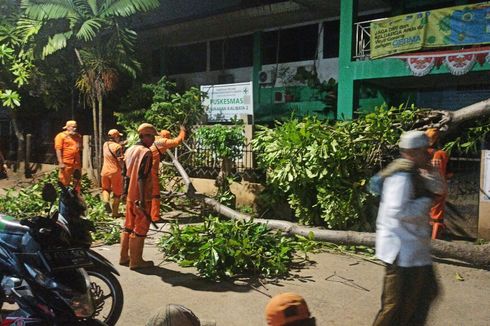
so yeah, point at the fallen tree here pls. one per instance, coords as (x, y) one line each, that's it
(478, 255)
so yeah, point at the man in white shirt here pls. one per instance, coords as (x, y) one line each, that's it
(403, 233)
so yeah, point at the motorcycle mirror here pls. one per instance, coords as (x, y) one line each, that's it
(49, 193)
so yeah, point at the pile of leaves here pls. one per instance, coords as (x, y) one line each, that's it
(322, 167)
(27, 202)
(226, 249)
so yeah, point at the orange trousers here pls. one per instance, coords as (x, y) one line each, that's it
(136, 221)
(65, 175)
(155, 200)
(113, 182)
(437, 216)
(155, 209)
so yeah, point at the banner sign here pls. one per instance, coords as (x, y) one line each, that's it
(398, 34)
(227, 101)
(454, 26)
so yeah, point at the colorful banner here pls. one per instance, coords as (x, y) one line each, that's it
(458, 62)
(454, 26)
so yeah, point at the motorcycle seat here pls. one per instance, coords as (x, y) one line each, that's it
(9, 225)
(11, 232)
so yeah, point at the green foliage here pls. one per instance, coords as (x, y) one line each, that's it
(469, 138)
(167, 110)
(224, 249)
(28, 202)
(15, 57)
(224, 142)
(322, 167)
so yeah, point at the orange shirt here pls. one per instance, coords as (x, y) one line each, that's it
(157, 149)
(70, 147)
(113, 155)
(439, 160)
(138, 166)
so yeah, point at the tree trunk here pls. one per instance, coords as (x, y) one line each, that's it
(473, 254)
(95, 135)
(449, 121)
(20, 138)
(100, 133)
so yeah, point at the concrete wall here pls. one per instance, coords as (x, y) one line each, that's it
(245, 192)
(327, 68)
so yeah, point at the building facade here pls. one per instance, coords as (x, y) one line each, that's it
(290, 50)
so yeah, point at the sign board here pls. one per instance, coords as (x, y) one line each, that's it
(484, 207)
(484, 195)
(454, 26)
(227, 101)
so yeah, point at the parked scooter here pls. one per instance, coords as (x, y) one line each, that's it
(48, 269)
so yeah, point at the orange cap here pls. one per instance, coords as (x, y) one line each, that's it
(165, 133)
(70, 123)
(433, 134)
(147, 129)
(114, 133)
(286, 308)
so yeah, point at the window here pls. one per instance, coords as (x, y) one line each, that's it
(331, 38)
(232, 53)
(295, 44)
(185, 59)
(156, 58)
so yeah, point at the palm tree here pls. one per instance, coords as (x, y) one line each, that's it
(103, 46)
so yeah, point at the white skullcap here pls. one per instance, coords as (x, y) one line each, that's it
(413, 139)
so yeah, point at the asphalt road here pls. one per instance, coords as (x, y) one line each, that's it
(339, 290)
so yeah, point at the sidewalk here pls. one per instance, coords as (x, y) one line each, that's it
(340, 290)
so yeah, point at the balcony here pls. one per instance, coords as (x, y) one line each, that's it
(363, 38)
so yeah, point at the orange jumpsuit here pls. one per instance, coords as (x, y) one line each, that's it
(70, 147)
(439, 160)
(138, 167)
(158, 149)
(112, 179)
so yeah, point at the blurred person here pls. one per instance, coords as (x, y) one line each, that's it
(176, 315)
(288, 309)
(3, 167)
(403, 233)
(111, 173)
(138, 162)
(439, 159)
(161, 144)
(68, 147)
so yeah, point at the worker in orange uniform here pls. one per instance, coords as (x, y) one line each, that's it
(439, 160)
(138, 161)
(68, 146)
(111, 174)
(161, 144)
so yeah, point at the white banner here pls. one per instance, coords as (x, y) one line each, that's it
(227, 101)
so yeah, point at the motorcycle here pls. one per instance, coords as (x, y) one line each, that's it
(48, 269)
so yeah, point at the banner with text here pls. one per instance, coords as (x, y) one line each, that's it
(227, 101)
(454, 26)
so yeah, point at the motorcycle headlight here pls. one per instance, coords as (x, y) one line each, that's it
(81, 303)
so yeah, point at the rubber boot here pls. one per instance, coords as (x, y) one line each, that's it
(106, 198)
(136, 254)
(115, 208)
(124, 256)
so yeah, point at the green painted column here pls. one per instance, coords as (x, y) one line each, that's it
(257, 67)
(345, 101)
